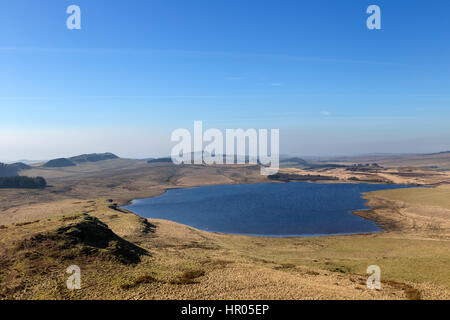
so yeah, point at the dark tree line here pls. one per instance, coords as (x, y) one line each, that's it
(22, 182)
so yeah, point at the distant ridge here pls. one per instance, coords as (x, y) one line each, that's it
(11, 170)
(22, 182)
(93, 157)
(73, 161)
(159, 160)
(7, 171)
(297, 162)
(300, 163)
(437, 153)
(59, 163)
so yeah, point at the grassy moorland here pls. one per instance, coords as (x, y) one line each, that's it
(77, 220)
(440, 161)
(439, 197)
(123, 256)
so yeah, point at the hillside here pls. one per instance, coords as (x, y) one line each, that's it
(81, 159)
(74, 216)
(158, 160)
(6, 171)
(440, 160)
(300, 163)
(22, 182)
(10, 170)
(93, 157)
(59, 163)
(123, 256)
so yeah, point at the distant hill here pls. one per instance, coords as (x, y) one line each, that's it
(27, 161)
(438, 153)
(84, 158)
(7, 171)
(300, 163)
(59, 163)
(93, 157)
(11, 170)
(159, 160)
(438, 160)
(294, 163)
(22, 182)
(19, 166)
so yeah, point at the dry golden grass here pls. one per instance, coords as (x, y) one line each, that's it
(439, 196)
(437, 160)
(412, 213)
(82, 169)
(185, 263)
(410, 176)
(123, 184)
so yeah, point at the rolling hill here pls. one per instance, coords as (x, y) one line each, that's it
(59, 163)
(84, 158)
(439, 161)
(10, 170)
(93, 157)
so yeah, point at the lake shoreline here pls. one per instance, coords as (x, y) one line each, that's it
(371, 214)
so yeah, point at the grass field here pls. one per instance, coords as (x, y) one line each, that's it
(180, 262)
(439, 161)
(423, 196)
(82, 169)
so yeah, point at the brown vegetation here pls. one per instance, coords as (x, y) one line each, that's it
(122, 256)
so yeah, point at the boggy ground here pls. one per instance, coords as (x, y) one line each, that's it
(123, 256)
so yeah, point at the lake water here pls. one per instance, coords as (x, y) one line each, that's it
(266, 209)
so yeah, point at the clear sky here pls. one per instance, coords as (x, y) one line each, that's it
(137, 70)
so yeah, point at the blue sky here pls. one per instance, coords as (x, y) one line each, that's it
(137, 70)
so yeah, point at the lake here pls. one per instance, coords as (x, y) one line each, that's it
(266, 209)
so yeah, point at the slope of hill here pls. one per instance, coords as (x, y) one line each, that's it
(22, 182)
(93, 157)
(159, 160)
(123, 256)
(10, 170)
(84, 168)
(300, 163)
(59, 163)
(81, 159)
(439, 160)
(294, 163)
(6, 171)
